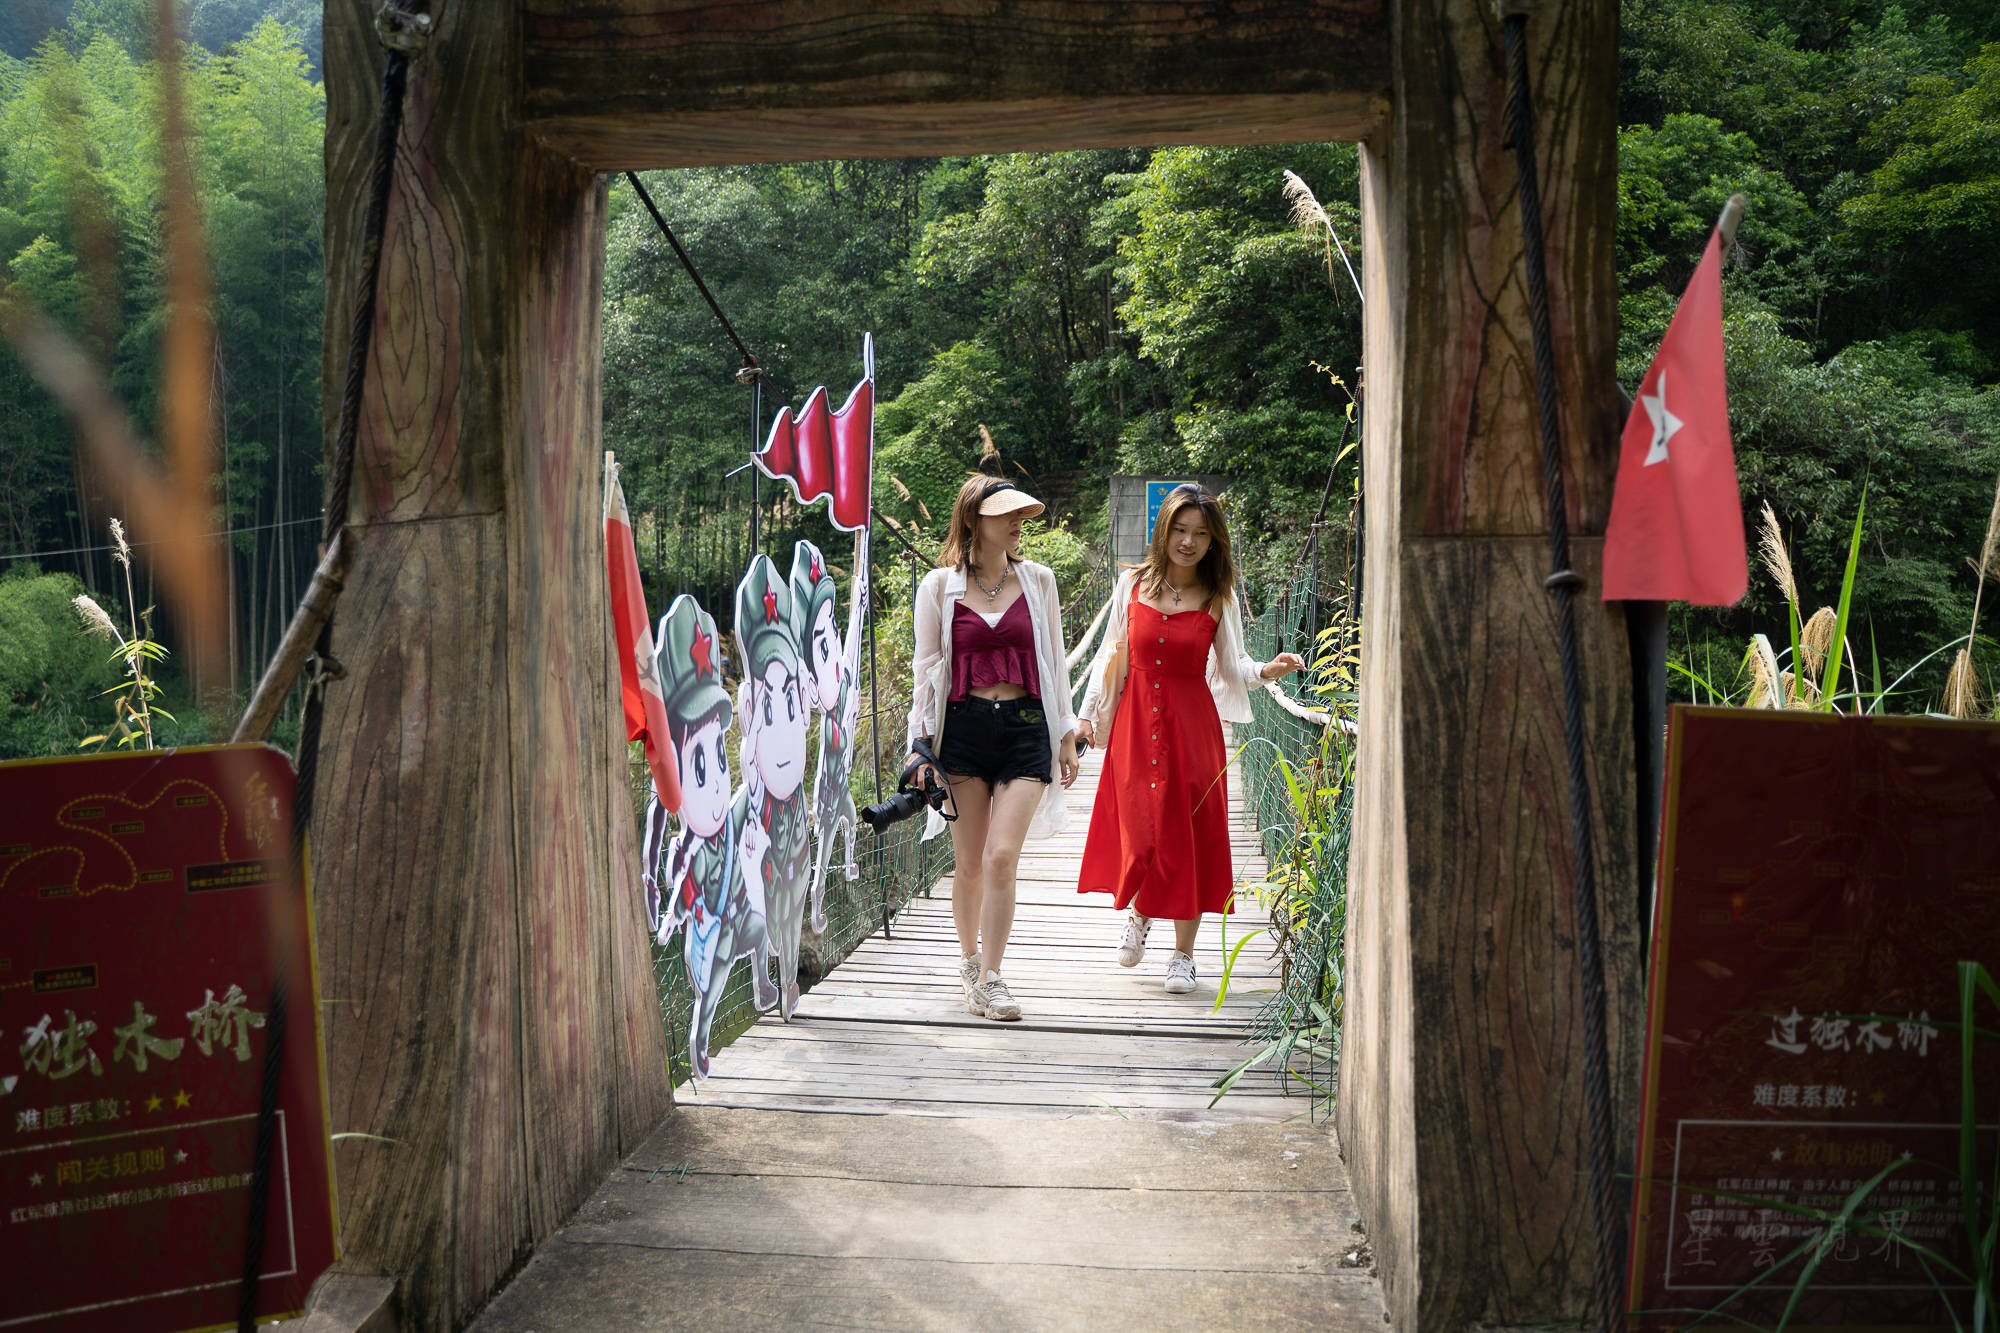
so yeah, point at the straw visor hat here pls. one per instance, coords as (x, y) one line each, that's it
(1007, 498)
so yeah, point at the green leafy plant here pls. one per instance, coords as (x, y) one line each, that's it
(136, 702)
(1298, 1029)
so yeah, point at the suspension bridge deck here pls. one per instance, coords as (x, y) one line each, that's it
(886, 1160)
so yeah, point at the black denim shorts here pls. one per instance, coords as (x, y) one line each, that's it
(996, 739)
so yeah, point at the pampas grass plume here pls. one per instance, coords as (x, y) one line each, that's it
(1305, 205)
(1817, 637)
(1766, 683)
(94, 618)
(1771, 546)
(1961, 686)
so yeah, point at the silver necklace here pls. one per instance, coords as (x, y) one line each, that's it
(992, 593)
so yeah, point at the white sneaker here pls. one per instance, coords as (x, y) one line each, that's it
(991, 999)
(1132, 947)
(968, 973)
(1180, 973)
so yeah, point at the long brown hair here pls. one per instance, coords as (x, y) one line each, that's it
(1217, 571)
(958, 543)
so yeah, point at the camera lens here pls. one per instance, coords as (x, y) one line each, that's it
(898, 807)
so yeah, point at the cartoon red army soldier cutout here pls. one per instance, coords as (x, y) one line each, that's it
(772, 713)
(830, 678)
(699, 874)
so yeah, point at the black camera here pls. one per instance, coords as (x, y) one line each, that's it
(914, 791)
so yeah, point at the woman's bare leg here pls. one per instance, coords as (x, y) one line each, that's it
(1184, 935)
(972, 798)
(1013, 809)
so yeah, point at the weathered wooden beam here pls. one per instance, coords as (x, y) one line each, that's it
(490, 1016)
(709, 139)
(1461, 1106)
(646, 83)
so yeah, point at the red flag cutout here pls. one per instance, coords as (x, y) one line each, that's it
(821, 452)
(1676, 528)
(638, 674)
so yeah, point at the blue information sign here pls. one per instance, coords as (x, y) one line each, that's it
(1156, 493)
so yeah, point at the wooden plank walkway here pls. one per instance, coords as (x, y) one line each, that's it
(887, 1030)
(886, 1160)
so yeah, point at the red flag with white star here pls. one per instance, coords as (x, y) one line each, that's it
(1676, 527)
(638, 674)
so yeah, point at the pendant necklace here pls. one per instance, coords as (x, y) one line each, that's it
(992, 593)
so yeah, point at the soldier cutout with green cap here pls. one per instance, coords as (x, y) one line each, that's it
(773, 716)
(700, 874)
(830, 672)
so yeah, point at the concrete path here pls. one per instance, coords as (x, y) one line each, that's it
(885, 1160)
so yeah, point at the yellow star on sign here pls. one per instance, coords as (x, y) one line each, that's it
(153, 1103)
(182, 1099)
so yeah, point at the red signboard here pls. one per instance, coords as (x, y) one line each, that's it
(1820, 879)
(144, 902)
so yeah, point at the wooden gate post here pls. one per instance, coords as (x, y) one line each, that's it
(1461, 1097)
(489, 1000)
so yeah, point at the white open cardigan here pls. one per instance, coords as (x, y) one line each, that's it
(937, 596)
(1232, 672)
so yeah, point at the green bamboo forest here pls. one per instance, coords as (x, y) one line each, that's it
(1058, 316)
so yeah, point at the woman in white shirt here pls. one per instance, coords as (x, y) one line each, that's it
(992, 700)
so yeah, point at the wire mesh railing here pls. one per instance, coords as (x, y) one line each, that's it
(1297, 785)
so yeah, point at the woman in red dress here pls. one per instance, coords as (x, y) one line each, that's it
(1171, 671)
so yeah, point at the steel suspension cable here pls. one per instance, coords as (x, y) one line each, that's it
(749, 361)
(1563, 583)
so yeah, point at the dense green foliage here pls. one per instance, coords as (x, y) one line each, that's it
(1156, 311)
(1862, 304)
(1094, 312)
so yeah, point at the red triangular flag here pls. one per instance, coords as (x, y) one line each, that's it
(638, 673)
(1676, 528)
(821, 452)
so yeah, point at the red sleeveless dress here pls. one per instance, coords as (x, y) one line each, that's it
(1159, 833)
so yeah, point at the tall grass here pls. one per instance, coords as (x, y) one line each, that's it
(1807, 674)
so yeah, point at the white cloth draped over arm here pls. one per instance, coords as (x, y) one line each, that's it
(1096, 698)
(1232, 672)
(929, 655)
(1055, 693)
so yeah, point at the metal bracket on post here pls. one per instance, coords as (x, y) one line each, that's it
(404, 30)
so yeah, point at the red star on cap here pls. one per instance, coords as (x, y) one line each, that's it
(816, 575)
(698, 652)
(770, 606)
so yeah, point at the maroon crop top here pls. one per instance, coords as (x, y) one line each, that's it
(1002, 654)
